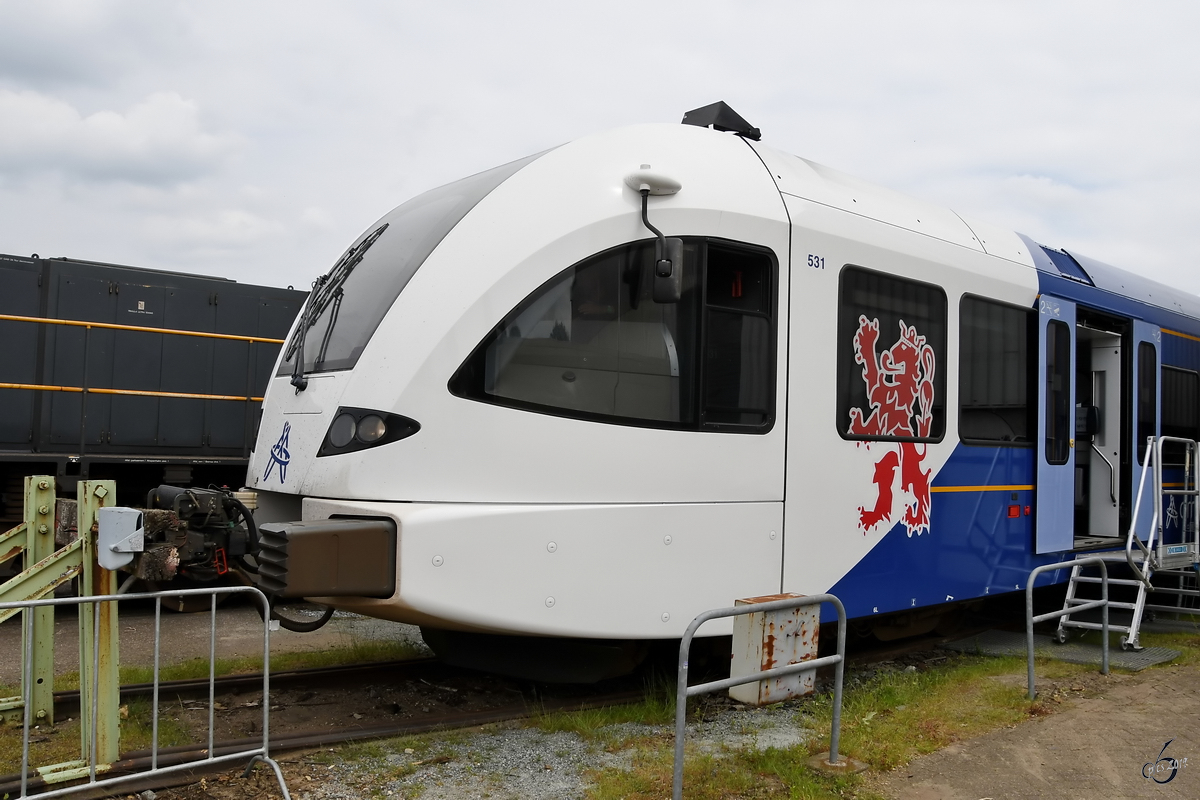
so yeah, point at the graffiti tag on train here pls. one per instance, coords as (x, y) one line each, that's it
(900, 393)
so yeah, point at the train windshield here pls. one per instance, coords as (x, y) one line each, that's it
(349, 302)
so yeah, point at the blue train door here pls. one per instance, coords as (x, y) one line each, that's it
(1054, 525)
(1147, 340)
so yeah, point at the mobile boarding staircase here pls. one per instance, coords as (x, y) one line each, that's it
(1157, 567)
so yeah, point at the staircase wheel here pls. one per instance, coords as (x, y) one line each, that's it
(1125, 645)
(1061, 636)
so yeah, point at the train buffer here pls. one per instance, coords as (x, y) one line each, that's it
(1162, 548)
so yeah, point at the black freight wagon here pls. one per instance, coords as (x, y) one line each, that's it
(93, 386)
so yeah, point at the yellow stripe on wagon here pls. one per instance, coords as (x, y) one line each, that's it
(37, 387)
(115, 327)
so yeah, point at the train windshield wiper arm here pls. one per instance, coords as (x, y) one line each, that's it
(324, 292)
(333, 317)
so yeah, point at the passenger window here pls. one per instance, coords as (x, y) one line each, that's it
(891, 358)
(1180, 410)
(1059, 428)
(1147, 397)
(996, 387)
(591, 343)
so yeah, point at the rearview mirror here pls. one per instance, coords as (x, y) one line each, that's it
(668, 272)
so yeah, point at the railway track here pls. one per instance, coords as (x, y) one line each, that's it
(324, 707)
(327, 706)
(67, 702)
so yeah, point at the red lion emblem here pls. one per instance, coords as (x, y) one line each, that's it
(900, 394)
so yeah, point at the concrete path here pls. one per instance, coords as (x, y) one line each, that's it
(1097, 749)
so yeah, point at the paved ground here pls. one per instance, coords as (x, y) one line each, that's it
(1095, 749)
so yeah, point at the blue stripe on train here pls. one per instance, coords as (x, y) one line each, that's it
(973, 548)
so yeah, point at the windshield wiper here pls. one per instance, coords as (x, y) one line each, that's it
(324, 291)
(333, 316)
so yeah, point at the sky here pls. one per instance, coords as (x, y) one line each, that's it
(256, 139)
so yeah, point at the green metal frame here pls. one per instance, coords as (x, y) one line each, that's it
(45, 569)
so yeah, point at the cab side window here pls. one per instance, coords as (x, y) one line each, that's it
(591, 343)
(738, 355)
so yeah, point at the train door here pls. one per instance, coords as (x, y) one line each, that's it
(1147, 339)
(1055, 524)
(1101, 453)
(1115, 410)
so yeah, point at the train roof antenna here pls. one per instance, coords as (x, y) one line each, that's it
(722, 118)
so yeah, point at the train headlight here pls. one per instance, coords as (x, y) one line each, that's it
(371, 429)
(360, 428)
(341, 432)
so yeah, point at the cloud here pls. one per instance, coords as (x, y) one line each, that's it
(89, 43)
(158, 141)
(221, 230)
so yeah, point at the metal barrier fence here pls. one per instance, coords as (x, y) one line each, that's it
(1102, 604)
(93, 727)
(683, 691)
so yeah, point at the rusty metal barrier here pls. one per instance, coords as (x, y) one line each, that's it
(683, 691)
(99, 706)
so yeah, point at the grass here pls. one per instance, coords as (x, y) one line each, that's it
(897, 716)
(598, 724)
(359, 652)
(887, 721)
(356, 653)
(748, 774)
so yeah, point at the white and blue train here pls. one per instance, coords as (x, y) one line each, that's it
(515, 407)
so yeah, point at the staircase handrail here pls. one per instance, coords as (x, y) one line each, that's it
(1190, 487)
(1137, 507)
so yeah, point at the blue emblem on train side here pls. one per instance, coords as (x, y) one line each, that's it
(280, 455)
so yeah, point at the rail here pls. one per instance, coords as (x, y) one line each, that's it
(683, 691)
(1102, 604)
